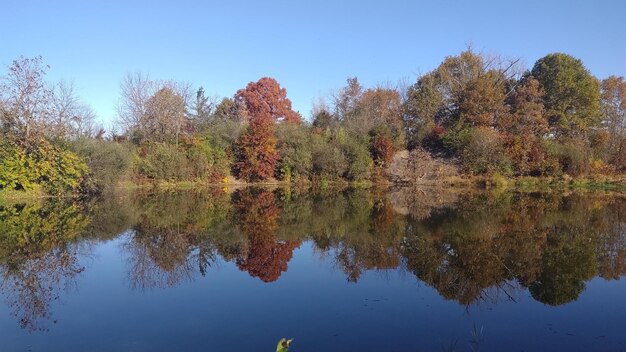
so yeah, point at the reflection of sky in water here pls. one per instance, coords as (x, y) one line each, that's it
(227, 309)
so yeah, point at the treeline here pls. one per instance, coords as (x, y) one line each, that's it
(485, 113)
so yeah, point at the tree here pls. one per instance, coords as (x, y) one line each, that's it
(151, 110)
(164, 118)
(465, 91)
(265, 99)
(202, 110)
(71, 118)
(346, 101)
(136, 89)
(572, 94)
(256, 154)
(614, 118)
(524, 128)
(226, 110)
(25, 98)
(266, 103)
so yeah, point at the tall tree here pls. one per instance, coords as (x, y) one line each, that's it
(572, 94)
(265, 103)
(202, 110)
(265, 99)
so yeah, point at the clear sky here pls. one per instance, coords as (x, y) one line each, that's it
(310, 47)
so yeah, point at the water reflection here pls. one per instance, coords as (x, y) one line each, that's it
(469, 247)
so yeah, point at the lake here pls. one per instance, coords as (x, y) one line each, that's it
(350, 270)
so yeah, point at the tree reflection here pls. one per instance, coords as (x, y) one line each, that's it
(168, 243)
(39, 257)
(470, 247)
(263, 256)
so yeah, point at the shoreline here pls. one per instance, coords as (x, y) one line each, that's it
(588, 183)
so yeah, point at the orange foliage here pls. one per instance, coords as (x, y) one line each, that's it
(256, 151)
(382, 149)
(265, 99)
(267, 257)
(266, 103)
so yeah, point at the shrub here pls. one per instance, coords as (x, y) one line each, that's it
(22, 167)
(207, 160)
(159, 161)
(381, 146)
(484, 152)
(572, 155)
(358, 157)
(108, 162)
(294, 148)
(328, 160)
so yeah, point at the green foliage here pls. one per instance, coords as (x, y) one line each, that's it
(23, 167)
(457, 139)
(572, 94)
(159, 161)
(108, 162)
(294, 148)
(358, 157)
(207, 160)
(328, 160)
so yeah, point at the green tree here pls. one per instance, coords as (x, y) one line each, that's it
(572, 94)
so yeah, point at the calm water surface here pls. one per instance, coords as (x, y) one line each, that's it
(403, 270)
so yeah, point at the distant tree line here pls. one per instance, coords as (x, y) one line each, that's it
(484, 112)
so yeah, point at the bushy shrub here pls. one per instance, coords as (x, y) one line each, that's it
(294, 148)
(159, 161)
(358, 157)
(483, 152)
(572, 155)
(207, 159)
(456, 139)
(24, 166)
(108, 162)
(382, 147)
(328, 160)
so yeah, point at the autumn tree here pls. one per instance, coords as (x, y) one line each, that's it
(256, 153)
(266, 103)
(465, 91)
(572, 94)
(524, 127)
(226, 110)
(265, 99)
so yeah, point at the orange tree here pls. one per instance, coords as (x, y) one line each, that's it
(264, 103)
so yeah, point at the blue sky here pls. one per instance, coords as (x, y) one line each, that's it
(309, 47)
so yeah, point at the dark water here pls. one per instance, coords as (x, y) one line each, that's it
(407, 270)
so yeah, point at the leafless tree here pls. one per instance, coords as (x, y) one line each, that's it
(25, 97)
